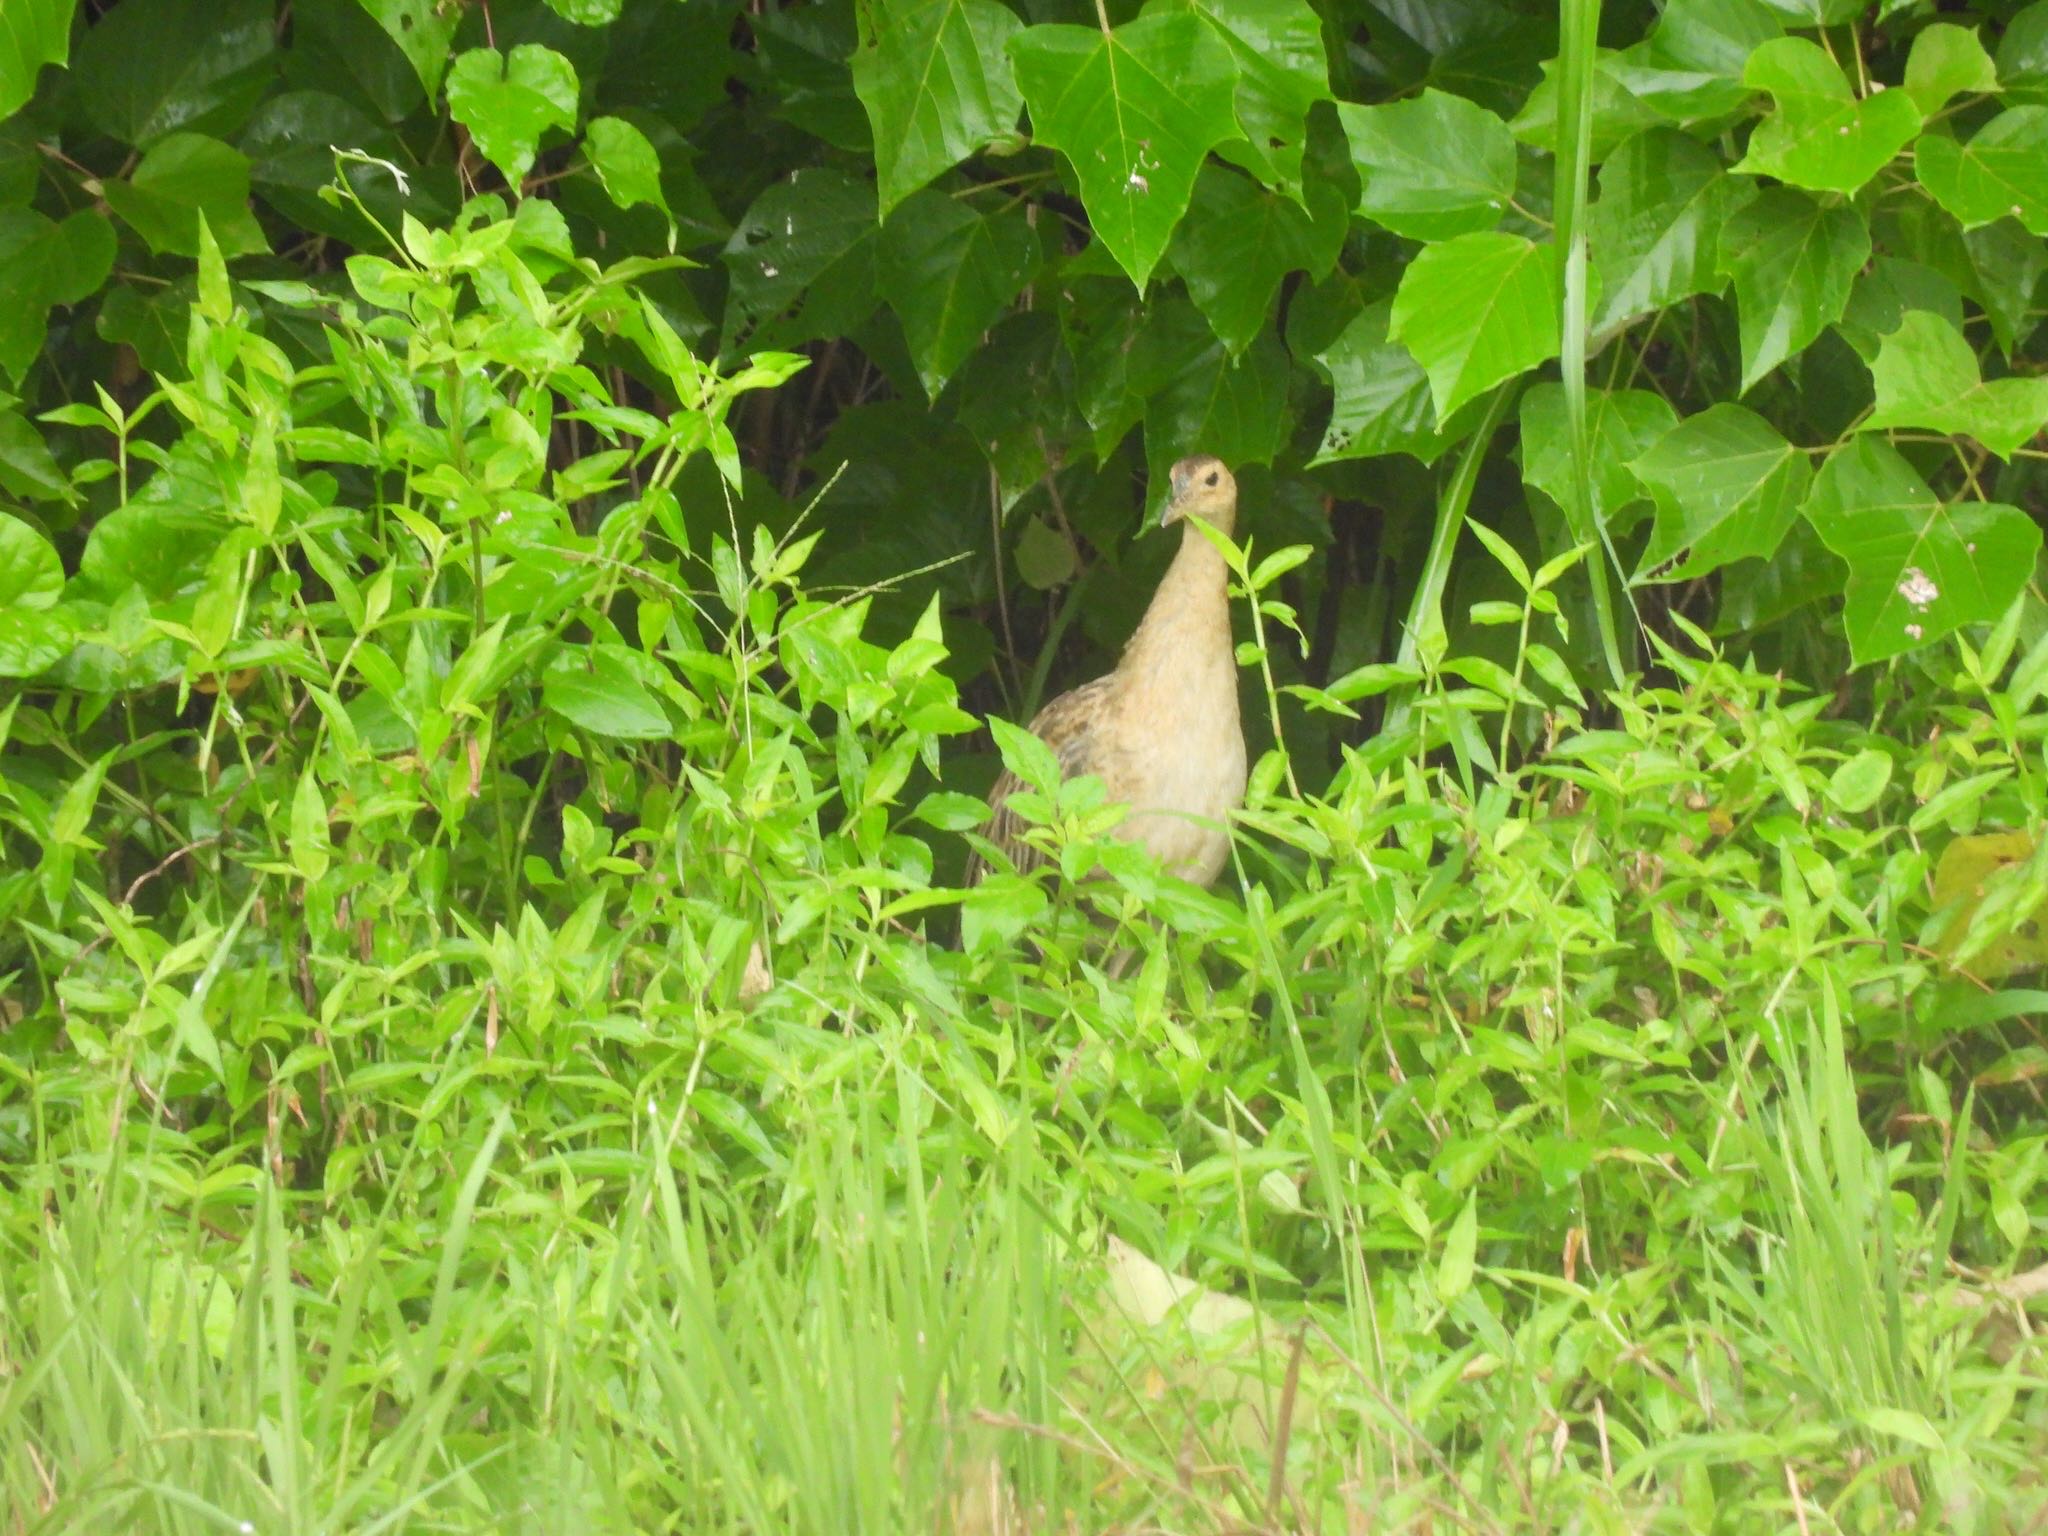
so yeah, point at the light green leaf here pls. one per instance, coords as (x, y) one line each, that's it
(2002, 170)
(2023, 52)
(949, 273)
(422, 29)
(1947, 61)
(802, 262)
(1475, 311)
(935, 78)
(1726, 486)
(1793, 262)
(1382, 400)
(182, 177)
(1239, 242)
(1856, 786)
(32, 640)
(1620, 425)
(312, 850)
(32, 33)
(1461, 1244)
(508, 101)
(587, 13)
(1927, 376)
(31, 575)
(627, 165)
(1432, 167)
(1277, 46)
(1918, 569)
(1654, 234)
(1886, 292)
(1135, 110)
(1821, 135)
(595, 689)
(43, 265)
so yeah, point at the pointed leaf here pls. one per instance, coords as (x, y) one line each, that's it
(1793, 262)
(1277, 46)
(1620, 425)
(43, 265)
(1726, 486)
(1947, 61)
(1382, 400)
(1821, 136)
(802, 262)
(422, 29)
(32, 33)
(151, 67)
(182, 178)
(1238, 242)
(2002, 170)
(508, 101)
(1917, 569)
(31, 575)
(1475, 311)
(949, 273)
(596, 690)
(1135, 110)
(1655, 232)
(935, 78)
(1927, 376)
(1433, 167)
(627, 165)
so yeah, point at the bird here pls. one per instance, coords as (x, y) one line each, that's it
(1162, 731)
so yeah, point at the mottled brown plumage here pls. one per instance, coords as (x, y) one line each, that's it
(1162, 731)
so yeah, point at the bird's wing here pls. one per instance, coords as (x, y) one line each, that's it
(1070, 726)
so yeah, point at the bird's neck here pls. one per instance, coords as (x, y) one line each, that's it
(1190, 613)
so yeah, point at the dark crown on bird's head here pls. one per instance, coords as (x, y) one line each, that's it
(1200, 487)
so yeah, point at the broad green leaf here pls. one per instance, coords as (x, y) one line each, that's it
(2008, 265)
(1793, 262)
(1620, 425)
(1654, 234)
(1382, 400)
(1927, 376)
(949, 273)
(423, 30)
(2023, 52)
(1239, 242)
(594, 689)
(802, 262)
(1918, 569)
(1233, 407)
(1433, 167)
(31, 575)
(1619, 113)
(32, 33)
(1726, 486)
(1475, 311)
(1884, 294)
(1857, 785)
(1135, 110)
(1100, 322)
(43, 265)
(508, 101)
(2002, 170)
(180, 178)
(1712, 38)
(627, 165)
(1821, 136)
(32, 641)
(27, 469)
(1947, 61)
(1277, 46)
(935, 78)
(151, 67)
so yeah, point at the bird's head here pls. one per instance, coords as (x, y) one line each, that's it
(1200, 487)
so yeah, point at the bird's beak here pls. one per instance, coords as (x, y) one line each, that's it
(1170, 512)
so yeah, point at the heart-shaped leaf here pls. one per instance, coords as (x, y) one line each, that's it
(508, 101)
(31, 575)
(1821, 135)
(1432, 167)
(1947, 61)
(1793, 262)
(935, 78)
(43, 265)
(1475, 311)
(1927, 376)
(2002, 170)
(1726, 486)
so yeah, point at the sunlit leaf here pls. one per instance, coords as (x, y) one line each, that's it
(508, 101)
(1277, 47)
(1821, 136)
(32, 33)
(1927, 376)
(1475, 311)
(2001, 170)
(1947, 61)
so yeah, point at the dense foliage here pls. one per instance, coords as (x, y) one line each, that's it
(511, 514)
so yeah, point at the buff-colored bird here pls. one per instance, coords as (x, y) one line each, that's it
(1162, 731)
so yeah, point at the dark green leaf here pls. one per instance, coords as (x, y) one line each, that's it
(949, 273)
(1821, 136)
(1239, 242)
(1620, 425)
(1917, 569)
(935, 78)
(595, 689)
(182, 177)
(27, 470)
(1382, 396)
(2023, 52)
(1135, 111)
(1726, 487)
(1277, 46)
(1655, 232)
(422, 29)
(1927, 376)
(1206, 401)
(1476, 311)
(802, 262)
(2002, 170)
(1712, 38)
(1793, 262)
(32, 33)
(1886, 292)
(1433, 167)
(43, 265)
(152, 67)
(1947, 61)
(508, 102)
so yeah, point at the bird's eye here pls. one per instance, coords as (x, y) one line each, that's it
(1211, 478)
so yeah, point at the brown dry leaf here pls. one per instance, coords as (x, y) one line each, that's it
(758, 977)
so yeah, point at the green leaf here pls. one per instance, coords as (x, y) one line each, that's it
(1726, 485)
(312, 849)
(1239, 242)
(1885, 293)
(1030, 759)
(423, 30)
(2002, 170)
(1793, 262)
(1927, 376)
(587, 13)
(1475, 311)
(1461, 1243)
(1135, 110)
(1277, 46)
(180, 178)
(43, 265)
(802, 262)
(1713, 39)
(32, 33)
(1654, 234)
(935, 78)
(1917, 569)
(949, 273)
(1857, 785)
(151, 67)
(2023, 52)
(595, 689)
(27, 469)
(1947, 61)
(1620, 425)
(508, 101)
(1233, 407)
(31, 575)
(1382, 402)
(627, 165)
(1433, 167)
(1821, 136)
